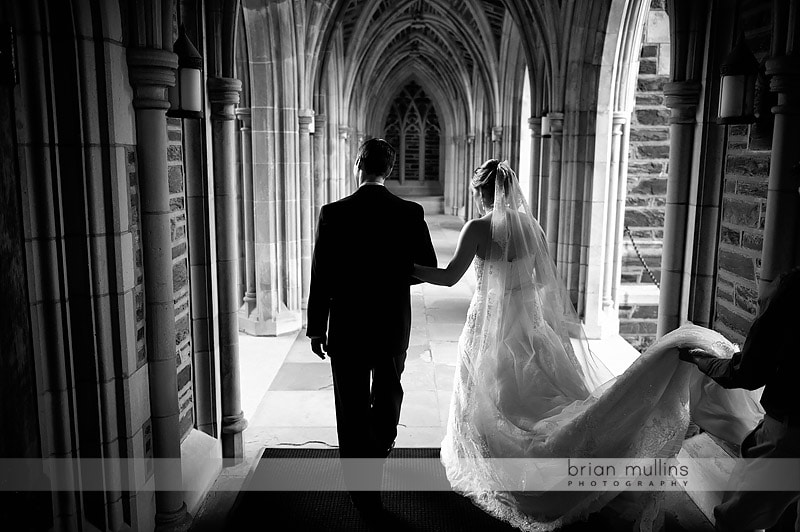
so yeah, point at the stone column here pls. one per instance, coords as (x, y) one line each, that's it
(152, 71)
(333, 161)
(198, 232)
(469, 204)
(535, 125)
(402, 177)
(497, 142)
(622, 192)
(544, 182)
(249, 303)
(360, 136)
(345, 171)
(781, 250)
(554, 183)
(320, 165)
(306, 224)
(422, 154)
(682, 98)
(223, 93)
(460, 165)
(613, 213)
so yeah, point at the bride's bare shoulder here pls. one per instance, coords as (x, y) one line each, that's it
(478, 227)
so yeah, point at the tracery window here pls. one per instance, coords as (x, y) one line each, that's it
(412, 127)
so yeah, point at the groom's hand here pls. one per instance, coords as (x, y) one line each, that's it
(319, 346)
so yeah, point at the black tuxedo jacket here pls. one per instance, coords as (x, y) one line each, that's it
(365, 248)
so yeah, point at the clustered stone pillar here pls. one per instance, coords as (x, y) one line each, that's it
(402, 157)
(682, 98)
(554, 183)
(320, 157)
(306, 228)
(460, 166)
(781, 249)
(469, 205)
(152, 71)
(223, 94)
(622, 188)
(535, 125)
(422, 154)
(544, 182)
(249, 302)
(345, 163)
(497, 142)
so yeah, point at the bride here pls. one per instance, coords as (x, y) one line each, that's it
(526, 384)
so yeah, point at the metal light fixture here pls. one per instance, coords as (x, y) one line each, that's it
(738, 87)
(545, 126)
(186, 97)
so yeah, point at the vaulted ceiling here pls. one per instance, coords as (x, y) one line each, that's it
(449, 47)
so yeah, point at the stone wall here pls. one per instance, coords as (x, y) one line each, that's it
(146, 432)
(744, 200)
(180, 275)
(647, 179)
(136, 234)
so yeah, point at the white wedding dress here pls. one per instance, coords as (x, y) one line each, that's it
(527, 386)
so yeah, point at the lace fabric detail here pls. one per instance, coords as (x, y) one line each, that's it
(642, 413)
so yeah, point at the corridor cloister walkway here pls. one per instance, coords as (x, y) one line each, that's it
(296, 406)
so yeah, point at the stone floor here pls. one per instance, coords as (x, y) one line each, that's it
(287, 391)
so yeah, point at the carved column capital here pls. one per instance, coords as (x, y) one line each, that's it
(497, 133)
(618, 121)
(556, 122)
(319, 121)
(245, 115)
(785, 80)
(535, 125)
(151, 73)
(470, 139)
(344, 132)
(304, 121)
(682, 98)
(223, 93)
(620, 117)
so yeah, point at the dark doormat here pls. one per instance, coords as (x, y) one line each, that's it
(439, 511)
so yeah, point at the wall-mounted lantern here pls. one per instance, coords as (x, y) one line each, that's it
(186, 97)
(545, 126)
(738, 87)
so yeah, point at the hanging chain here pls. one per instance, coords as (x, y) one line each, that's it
(641, 259)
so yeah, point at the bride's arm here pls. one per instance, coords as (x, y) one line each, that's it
(465, 252)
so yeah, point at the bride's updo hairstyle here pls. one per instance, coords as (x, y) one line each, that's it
(485, 177)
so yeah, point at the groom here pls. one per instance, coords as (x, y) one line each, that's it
(359, 306)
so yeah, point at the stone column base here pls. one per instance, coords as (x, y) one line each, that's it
(284, 323)
(180, 521)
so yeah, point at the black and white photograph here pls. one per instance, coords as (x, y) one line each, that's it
(400, 265)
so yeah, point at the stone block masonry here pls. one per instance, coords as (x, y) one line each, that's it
(180, 275)
(648, 159)
(741, 235)
(744, 200)
(138, 291)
